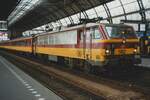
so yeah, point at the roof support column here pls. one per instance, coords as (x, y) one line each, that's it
(142, 10)
(108, 13)
(123, 9)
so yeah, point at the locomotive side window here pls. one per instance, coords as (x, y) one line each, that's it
(40, 40)
(81, 35)
(95, 33)
(45, 40)
(50, 39)
(67, 37)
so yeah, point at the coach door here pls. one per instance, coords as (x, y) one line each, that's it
(88, 44)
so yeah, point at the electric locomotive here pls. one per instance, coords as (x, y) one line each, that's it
(87, 45)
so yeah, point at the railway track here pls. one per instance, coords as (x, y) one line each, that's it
(95, 88)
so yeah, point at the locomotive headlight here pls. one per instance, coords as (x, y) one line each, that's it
(107, 51)
(135, 50)
(124, 40)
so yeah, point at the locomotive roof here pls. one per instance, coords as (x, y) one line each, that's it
(79, 27)
(71, 28)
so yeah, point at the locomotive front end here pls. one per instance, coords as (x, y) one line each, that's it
(121, 45)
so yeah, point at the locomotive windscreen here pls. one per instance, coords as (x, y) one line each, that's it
(120, 31)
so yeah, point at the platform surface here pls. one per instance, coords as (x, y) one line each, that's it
(145, 62)
(16, 85)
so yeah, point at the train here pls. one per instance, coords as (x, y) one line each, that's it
(144, 42)
(87, 45)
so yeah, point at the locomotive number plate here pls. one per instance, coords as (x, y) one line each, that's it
(122, 51)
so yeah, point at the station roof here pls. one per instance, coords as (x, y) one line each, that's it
(30, 14)
(33, 13)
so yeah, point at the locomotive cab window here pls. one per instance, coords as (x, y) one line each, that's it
(120, 31)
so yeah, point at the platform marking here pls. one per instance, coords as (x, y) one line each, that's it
(31, 89)
(26, 84)
(19, 78)
(37, 95)
(34, 92)
(41, 99)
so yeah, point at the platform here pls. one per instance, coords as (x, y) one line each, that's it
(17, 85)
